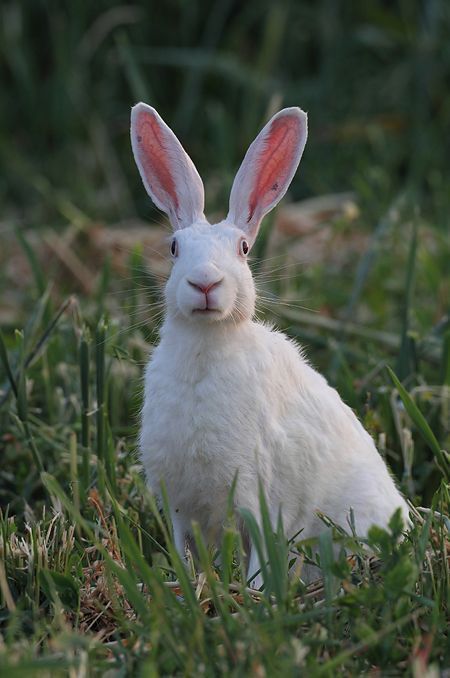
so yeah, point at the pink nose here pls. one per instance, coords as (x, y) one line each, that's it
(204, 288)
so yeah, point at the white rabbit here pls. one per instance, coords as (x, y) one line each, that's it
(227, 394)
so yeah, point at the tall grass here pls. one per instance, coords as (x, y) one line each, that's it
(90, 578)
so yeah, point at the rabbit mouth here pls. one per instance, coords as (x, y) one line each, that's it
(206, 310)
(208, 315)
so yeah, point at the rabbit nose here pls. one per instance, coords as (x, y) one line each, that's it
(204, 287)
(205, 277)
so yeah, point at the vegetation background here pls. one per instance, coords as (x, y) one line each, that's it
(89, 581)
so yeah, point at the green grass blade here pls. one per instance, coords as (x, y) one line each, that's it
(406, 362)
(422, 425)
(84, 360)
(33, 261)
(100, 335)
(277, 552)
(446, 358)
(255, 535)
(6, 366)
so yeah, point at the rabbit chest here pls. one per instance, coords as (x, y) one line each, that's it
(200, 426)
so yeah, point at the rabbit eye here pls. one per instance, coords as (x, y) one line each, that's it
(174, 248)
(244, 248)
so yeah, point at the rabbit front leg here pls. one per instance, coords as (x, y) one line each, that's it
(254, 569)
(180, 530)
(254, 566)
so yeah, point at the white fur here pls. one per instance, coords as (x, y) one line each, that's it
(226, 394)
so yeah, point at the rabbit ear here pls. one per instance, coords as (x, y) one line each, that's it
(267, 169)
(168, 173)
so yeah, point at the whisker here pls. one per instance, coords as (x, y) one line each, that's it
(142, 247)
(131, 291)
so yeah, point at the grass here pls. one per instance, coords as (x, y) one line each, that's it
(89, 578)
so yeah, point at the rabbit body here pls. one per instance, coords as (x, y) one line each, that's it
(243, 399)
(226, 395)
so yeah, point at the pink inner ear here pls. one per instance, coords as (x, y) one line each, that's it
(153, 156)
(274, 164)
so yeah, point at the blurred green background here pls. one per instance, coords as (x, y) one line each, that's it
(374, 77)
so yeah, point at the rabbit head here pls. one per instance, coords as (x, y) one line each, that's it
(210, 279)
